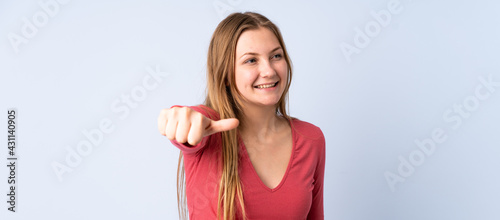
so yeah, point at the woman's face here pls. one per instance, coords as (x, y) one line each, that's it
(261, 69)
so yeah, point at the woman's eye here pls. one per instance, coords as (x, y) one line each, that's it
(277, 56)
(250, 60)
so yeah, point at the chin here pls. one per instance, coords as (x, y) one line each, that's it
(271, 103)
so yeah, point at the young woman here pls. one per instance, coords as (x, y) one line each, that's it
(242, 155)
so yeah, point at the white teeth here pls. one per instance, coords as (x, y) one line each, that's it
(266, 86)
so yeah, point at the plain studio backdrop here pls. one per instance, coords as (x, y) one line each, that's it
(406, 92)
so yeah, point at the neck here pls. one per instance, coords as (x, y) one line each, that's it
(260, 122)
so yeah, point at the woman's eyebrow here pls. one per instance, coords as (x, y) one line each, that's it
(253, 53)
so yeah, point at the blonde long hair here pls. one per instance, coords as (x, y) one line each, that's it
(224, 98)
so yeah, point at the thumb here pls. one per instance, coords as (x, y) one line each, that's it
(222, 125)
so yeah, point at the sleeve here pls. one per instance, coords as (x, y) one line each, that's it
(317, 211)
(190, 149)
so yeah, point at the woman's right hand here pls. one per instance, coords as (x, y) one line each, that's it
(186, 125)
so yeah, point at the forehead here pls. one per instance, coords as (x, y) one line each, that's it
(260, 41)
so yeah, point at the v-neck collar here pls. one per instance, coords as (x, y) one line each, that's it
(246, 157)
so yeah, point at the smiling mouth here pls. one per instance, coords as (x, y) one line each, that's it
(265, 86)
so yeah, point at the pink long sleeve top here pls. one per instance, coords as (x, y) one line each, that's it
(299, 195)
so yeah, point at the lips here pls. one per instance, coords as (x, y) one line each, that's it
(266, 85)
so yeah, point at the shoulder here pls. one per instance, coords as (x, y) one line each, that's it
(307, 130)
(309, 140)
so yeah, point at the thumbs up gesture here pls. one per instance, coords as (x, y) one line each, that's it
(186, 125)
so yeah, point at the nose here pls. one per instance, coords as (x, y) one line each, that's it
(267, 70)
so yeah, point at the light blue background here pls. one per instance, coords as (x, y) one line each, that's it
(429, 57)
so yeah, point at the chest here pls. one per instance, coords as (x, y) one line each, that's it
(270, 160)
